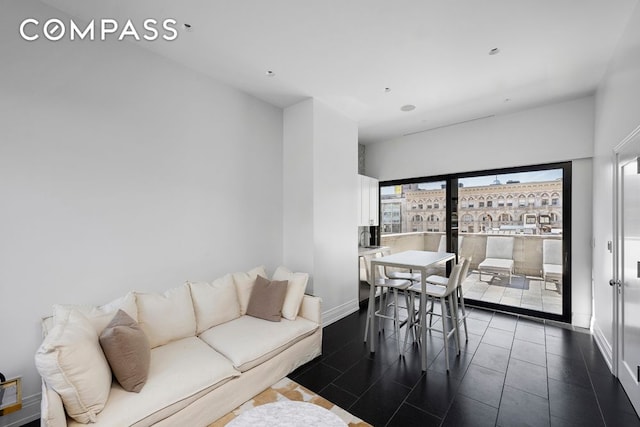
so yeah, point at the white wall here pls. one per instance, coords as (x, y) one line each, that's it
(547, 134)
(120, 170)
(617, 115)
(298, 190)
(320, 164)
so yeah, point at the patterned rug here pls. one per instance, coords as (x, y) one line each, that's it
(286, 389)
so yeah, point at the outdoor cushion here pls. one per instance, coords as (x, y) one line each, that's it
(499, 247)
(552, 269)
(214, 303)
(496, 264)
(180, 372)
(166, 317)
(248, 341)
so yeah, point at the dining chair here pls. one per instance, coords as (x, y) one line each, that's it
(386, 285)
(447, 295)
(459, 295)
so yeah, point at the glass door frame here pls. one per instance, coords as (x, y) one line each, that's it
(452, 226)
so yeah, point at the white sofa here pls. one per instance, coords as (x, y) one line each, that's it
(207, 355)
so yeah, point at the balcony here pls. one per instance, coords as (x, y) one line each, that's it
(527, 290)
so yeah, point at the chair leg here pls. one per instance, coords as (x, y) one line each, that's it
(454, 320)
(370, 310)
(464, 316)
(396, 320)
(445, 332)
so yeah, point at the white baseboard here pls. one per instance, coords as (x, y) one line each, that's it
(603, 345)
(337, 313)
(581, 320)
(30, 412)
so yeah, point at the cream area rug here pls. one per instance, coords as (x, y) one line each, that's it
(286, 389)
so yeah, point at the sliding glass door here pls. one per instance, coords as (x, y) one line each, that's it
(513, 223)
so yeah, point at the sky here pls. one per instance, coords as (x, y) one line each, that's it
(534, 176)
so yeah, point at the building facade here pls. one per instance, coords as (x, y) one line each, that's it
(514, 207)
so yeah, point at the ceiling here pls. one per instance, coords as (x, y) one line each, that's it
(433, 54)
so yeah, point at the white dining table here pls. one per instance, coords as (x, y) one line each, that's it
(410, 260)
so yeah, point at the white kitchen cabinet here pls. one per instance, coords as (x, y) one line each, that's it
(369, 195)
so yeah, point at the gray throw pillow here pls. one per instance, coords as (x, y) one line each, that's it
(267, 299)
(127, 350)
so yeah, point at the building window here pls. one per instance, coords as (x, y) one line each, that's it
(436, 206)
(481, 204)
(489, 203)
(555, 202)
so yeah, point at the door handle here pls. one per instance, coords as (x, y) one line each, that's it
(614, 282)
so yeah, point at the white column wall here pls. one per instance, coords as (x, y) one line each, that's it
(322, 239)
(617, 115)
(547, 134)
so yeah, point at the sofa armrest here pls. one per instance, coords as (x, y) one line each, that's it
(51, 409)
(310, 308)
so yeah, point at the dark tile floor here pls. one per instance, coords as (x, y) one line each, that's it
(513, 371)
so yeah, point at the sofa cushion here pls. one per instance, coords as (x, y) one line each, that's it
(180, 372)
(244, 284)
(100, 316)
(71, 362)
(249, 341)
(297, 284)
(215, 302)
(127, 350)
(166, 317)
(266, 299)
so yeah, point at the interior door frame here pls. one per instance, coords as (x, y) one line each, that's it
(618, 161)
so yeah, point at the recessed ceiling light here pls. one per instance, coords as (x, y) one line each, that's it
(408, 107)
(270, 73)
(187, 27)
(507, 99)
(387, 89)
(494, 51)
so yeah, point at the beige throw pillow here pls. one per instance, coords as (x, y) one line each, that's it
(71, 362)
(127, 350)
(244, 284)
(295, 291)
(266, 299)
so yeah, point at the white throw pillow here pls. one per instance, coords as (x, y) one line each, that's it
(100, 316)
(215, 302)
(71, 362)
(295, 291)
(244, 285)
(166, 317)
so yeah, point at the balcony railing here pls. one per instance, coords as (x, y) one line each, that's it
(527, 248)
